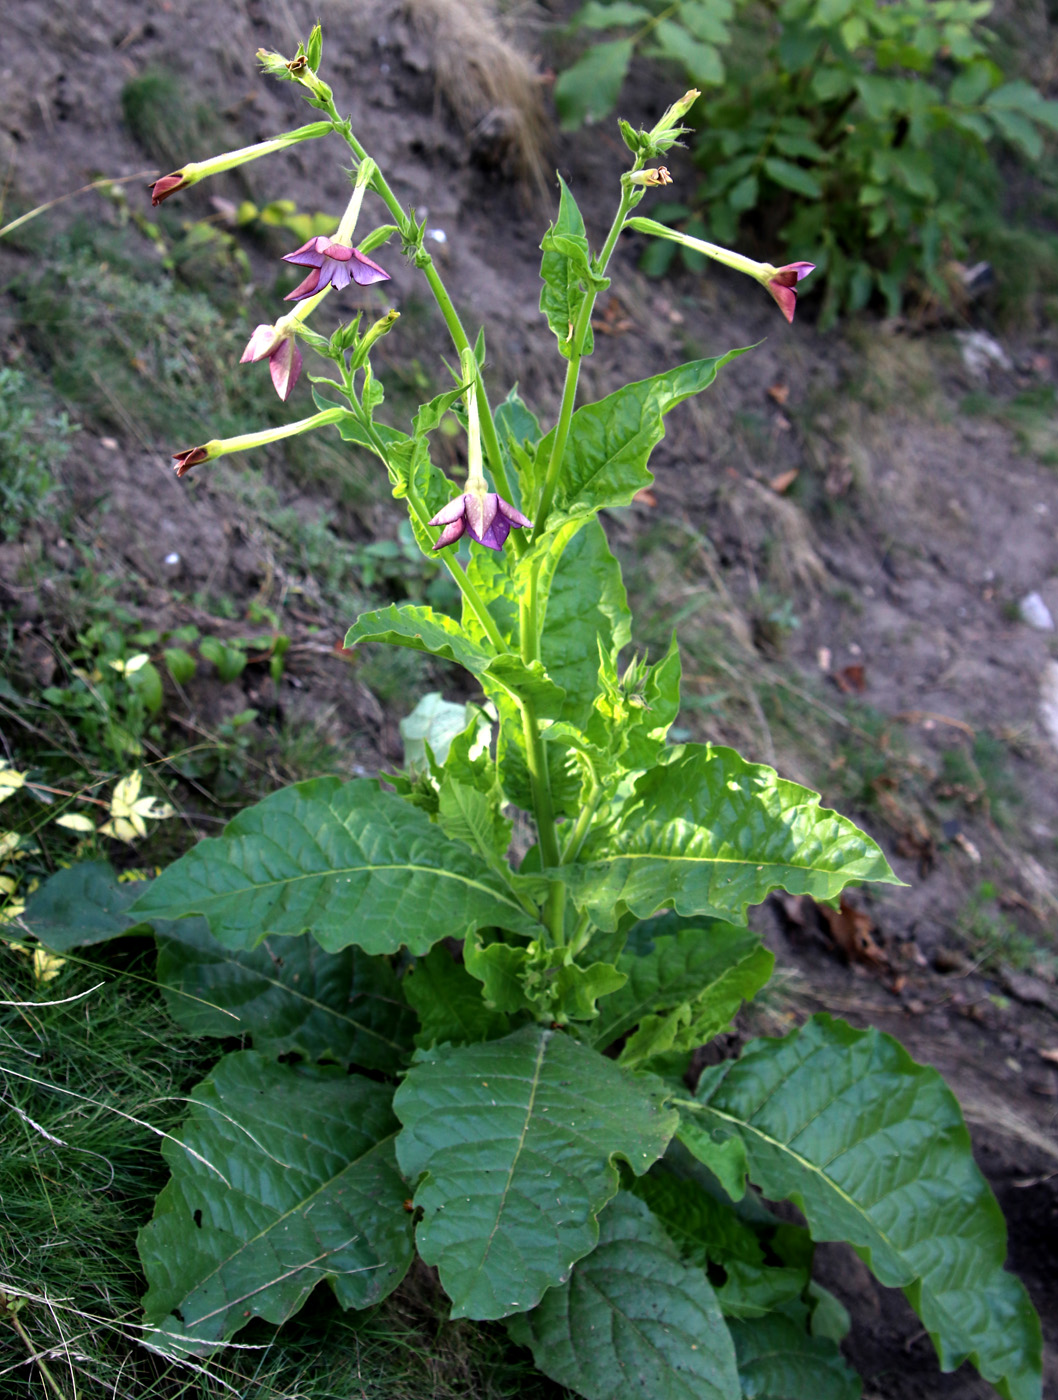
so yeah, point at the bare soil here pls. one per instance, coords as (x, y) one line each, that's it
(902, 550)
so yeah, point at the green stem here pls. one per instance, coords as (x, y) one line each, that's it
(544, 811)
(36, 1356)
(630, 196)
(447, 309)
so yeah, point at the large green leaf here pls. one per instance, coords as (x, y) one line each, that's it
(421, 629)
(610, 441)
(698, 975)
(705, 832)
(778, 1359)
(345, 861)
(873, 1149)
(283, 1177)
(703, 1227)
(79, 906)
(586, 608)
(515, 1142)
(633, 1320)
(563, 270)
(449, 1002)
(288, 994)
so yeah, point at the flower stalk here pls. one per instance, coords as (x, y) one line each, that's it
(196, 170)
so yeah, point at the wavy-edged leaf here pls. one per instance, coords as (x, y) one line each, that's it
(777, 1358)
(450, 1003)
(873, 1148)
(81, 905)
(610, 441)
(420, 629)
(563, 269)
(288, 994)
(633, 1320)
(702, 1227)
(698, 975)
(347, 862)
(283, 1176)
(515, 1142)
(705, 832)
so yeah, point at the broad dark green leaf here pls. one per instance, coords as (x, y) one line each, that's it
(701, 60)
(702, 1227)
(685, 990)
(589, 89)
(513, 1143)
(449, 1002)
(345, 861)
(777, 1359)
(288, 994)
(754, 1290)
(610, 440)
(81, 905)
(873, 1149)
(283, 1177)
(563, 269)
(793, 177)
(633, 1320)
(705, 832)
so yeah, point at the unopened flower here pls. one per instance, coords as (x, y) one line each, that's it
(196, 170)
(779, 281)
(167, 185)
(189, 457)
(333, 264)
(284, 357)
(654, 176)
(483, 515)
(782, 282)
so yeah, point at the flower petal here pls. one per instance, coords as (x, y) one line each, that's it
(452, 511)
(365, 272)
(514, 516)
(306, 288)
(496, 534)
(340, 252)
(451, 533)
(310, 254)
(284, 365)
(260, 344)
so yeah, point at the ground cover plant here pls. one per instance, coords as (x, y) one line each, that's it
(535, 1000)
(863, 131)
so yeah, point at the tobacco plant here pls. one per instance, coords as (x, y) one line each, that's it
(474, 1045)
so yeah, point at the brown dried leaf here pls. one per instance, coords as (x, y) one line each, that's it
(851, 930)
(851, 680)
(784, 481)
(779, 393)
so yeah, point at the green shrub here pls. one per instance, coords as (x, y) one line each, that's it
(854, 132)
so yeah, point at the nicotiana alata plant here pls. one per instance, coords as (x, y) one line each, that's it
(482, 1058)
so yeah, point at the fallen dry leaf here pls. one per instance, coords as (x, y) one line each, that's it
(851, 680)
(784, 481)
(1051, 1056)
(645, 498)
(779, 393)
(851, 930)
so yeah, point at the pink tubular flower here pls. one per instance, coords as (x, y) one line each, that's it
(484, 516)
(781, 285)
(284, 357)
(333, 264)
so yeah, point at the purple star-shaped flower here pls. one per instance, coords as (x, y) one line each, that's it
(485, 517)
(333, 264)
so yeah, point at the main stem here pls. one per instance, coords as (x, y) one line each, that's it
(459, 337)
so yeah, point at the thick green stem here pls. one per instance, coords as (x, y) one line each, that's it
(544, 811)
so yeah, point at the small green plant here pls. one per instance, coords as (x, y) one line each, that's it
(33, 442)
(855, 128)
(471, 1040)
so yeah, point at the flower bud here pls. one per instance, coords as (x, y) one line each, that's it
(652, 177)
